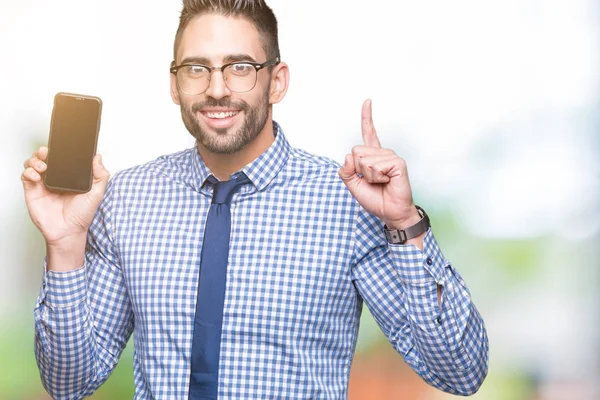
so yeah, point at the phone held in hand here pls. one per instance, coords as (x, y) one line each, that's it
(72, 142)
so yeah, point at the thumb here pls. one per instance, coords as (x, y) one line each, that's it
(101, 174)
(348, 173)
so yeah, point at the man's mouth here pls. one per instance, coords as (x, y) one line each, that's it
(219, 118)
(220, 114)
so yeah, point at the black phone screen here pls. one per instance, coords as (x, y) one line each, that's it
(72, 144)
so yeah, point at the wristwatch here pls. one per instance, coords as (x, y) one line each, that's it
(400, 236)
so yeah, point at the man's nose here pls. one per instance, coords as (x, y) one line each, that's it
(216, 86)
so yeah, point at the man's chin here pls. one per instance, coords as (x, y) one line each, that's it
(221, 147)
(219, 141)
(222, 131)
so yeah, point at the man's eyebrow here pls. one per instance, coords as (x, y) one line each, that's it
(238, 57)
(228, 59)
(195, 60)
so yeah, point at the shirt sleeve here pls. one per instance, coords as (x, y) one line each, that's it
(447, 346)
(83, 318)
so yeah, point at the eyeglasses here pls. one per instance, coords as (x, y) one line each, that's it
(239, 77)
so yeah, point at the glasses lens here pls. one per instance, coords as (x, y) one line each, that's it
(240, 77)
(193, 79)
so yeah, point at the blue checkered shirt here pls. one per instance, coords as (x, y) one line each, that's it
(304, 256)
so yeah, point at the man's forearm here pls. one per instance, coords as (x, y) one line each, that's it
(65, 341)
(451, 345)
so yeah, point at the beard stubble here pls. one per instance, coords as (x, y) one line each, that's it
(224, 141)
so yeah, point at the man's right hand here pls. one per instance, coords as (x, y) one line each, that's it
(63, 218)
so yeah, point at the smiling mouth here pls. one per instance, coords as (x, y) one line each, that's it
(220, 115)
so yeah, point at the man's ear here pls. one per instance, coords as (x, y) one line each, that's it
(174, 91)
(280, 80)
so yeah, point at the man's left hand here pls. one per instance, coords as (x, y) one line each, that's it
(383, 189)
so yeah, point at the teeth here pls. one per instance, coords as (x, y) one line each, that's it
(220, 115)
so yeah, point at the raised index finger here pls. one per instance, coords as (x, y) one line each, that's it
(368, 130)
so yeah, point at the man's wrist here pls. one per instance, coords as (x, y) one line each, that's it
(409, 230)
(413, 217)
(67, 255)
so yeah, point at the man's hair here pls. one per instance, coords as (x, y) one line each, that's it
(255, 11)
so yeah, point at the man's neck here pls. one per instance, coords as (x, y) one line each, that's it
(223, 165)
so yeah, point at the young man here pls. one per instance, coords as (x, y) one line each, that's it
(241, 265)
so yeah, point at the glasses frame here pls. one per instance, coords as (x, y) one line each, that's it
(257, 66)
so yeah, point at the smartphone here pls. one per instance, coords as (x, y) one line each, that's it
(72, 142)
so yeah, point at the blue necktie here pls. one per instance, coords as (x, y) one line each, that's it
(206, 342)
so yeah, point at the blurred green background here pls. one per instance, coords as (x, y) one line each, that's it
(494, 105)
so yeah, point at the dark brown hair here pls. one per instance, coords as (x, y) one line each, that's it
(255, 11)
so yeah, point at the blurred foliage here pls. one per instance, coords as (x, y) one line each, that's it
(19, 376)
(518, 259)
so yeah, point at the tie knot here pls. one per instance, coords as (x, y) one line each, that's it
(223, 190)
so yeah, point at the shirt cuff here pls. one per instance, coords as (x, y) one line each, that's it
(63, 289)
(418, 267)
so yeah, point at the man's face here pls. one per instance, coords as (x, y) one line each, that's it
(221, 120)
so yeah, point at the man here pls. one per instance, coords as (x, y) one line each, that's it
(254, 292)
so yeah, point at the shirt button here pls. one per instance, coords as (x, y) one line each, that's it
(429, 261)
(438, 320)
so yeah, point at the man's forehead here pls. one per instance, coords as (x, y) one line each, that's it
(216, 37)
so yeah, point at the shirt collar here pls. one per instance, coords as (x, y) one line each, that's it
(261, 171)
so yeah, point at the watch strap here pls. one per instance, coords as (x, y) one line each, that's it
(400, 236)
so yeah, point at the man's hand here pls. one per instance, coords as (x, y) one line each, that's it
(63, 218)
(383, 189)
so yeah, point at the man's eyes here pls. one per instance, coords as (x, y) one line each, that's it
(241, 67)
(196, 69)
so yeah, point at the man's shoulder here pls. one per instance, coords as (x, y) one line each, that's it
(167, 167)
(307, 166)
(300, 158)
